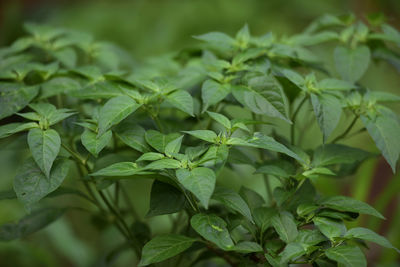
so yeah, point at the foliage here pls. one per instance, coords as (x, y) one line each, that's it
(84, 108)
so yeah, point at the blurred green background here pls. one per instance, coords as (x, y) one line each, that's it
(147, 28)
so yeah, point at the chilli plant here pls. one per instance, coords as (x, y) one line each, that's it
(86, 111)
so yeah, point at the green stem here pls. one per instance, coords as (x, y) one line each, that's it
(293, 119)
(262, 158)
(120, 222)
(343, 135)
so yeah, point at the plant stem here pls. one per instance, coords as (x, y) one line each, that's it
(262, 158)
(293, 119)
(120, 222)
(343, 135)
(158, 123)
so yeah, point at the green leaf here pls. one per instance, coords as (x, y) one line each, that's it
(327, 109)
(266, 142)
(264, 96)
(224, 121)
(309, 237)
(93, 143)
(232, 200)
(160, 192)
(158, 140)
(31, 185)
(213, 92)
(118, 169)
(384, 130)
(334, 84)
(150, 156)
(350, 63)
(279, 168)
(181, 100)
(58, 85)
(164, 247)
(252, 198)
(263, 217)
(44, 145)
(174, 146)
(163, 164)
(329, 154)
(114, 111)
(16, 127)
(247, 247)
(330, 228)
(133, 135)
(14, 97)
(205, 135)
(343, 203)
(31, 223)
(200, 181)
(212, 228)
(218, 40)
(285, 226)
(369, 235)
(349, 256)
(291, 251)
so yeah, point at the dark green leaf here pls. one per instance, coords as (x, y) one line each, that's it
(349, 256)
(212, 228)
(160, 192)
(200, 181)
(285, 226)
(44, 145)
(164, 247)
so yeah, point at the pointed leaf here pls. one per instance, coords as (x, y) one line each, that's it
(44, 145)
(349, 256)
(212, 228)
(200, 181)
(164, 247)
(114, 111)
(93, 143)
(181, 100)
(350, 63)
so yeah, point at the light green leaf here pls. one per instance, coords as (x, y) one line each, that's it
(285, 226)
(158, 140)
(343, 203)
(114, 111)
(369, 235)
(232, 200)
(330, 228)
(279, 168)
(212, 228)
(150, 156)
(350, 63)
(174, 146)
(31, 185)
(334, 84)
(44, 145)
(213, 92)
(385, 130)
(327, 109)
(16, 127)
(163, 164)
(118, 169)
(58, 85)
(263, 217)
(266, 142)
(349, 256)
(224, 121)
(200, 181)
(160, 192)
(93, 143)
(205, 135)
(309, 237)
(219, 40)
(164, 247)
(247, 247)
(181, 100)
